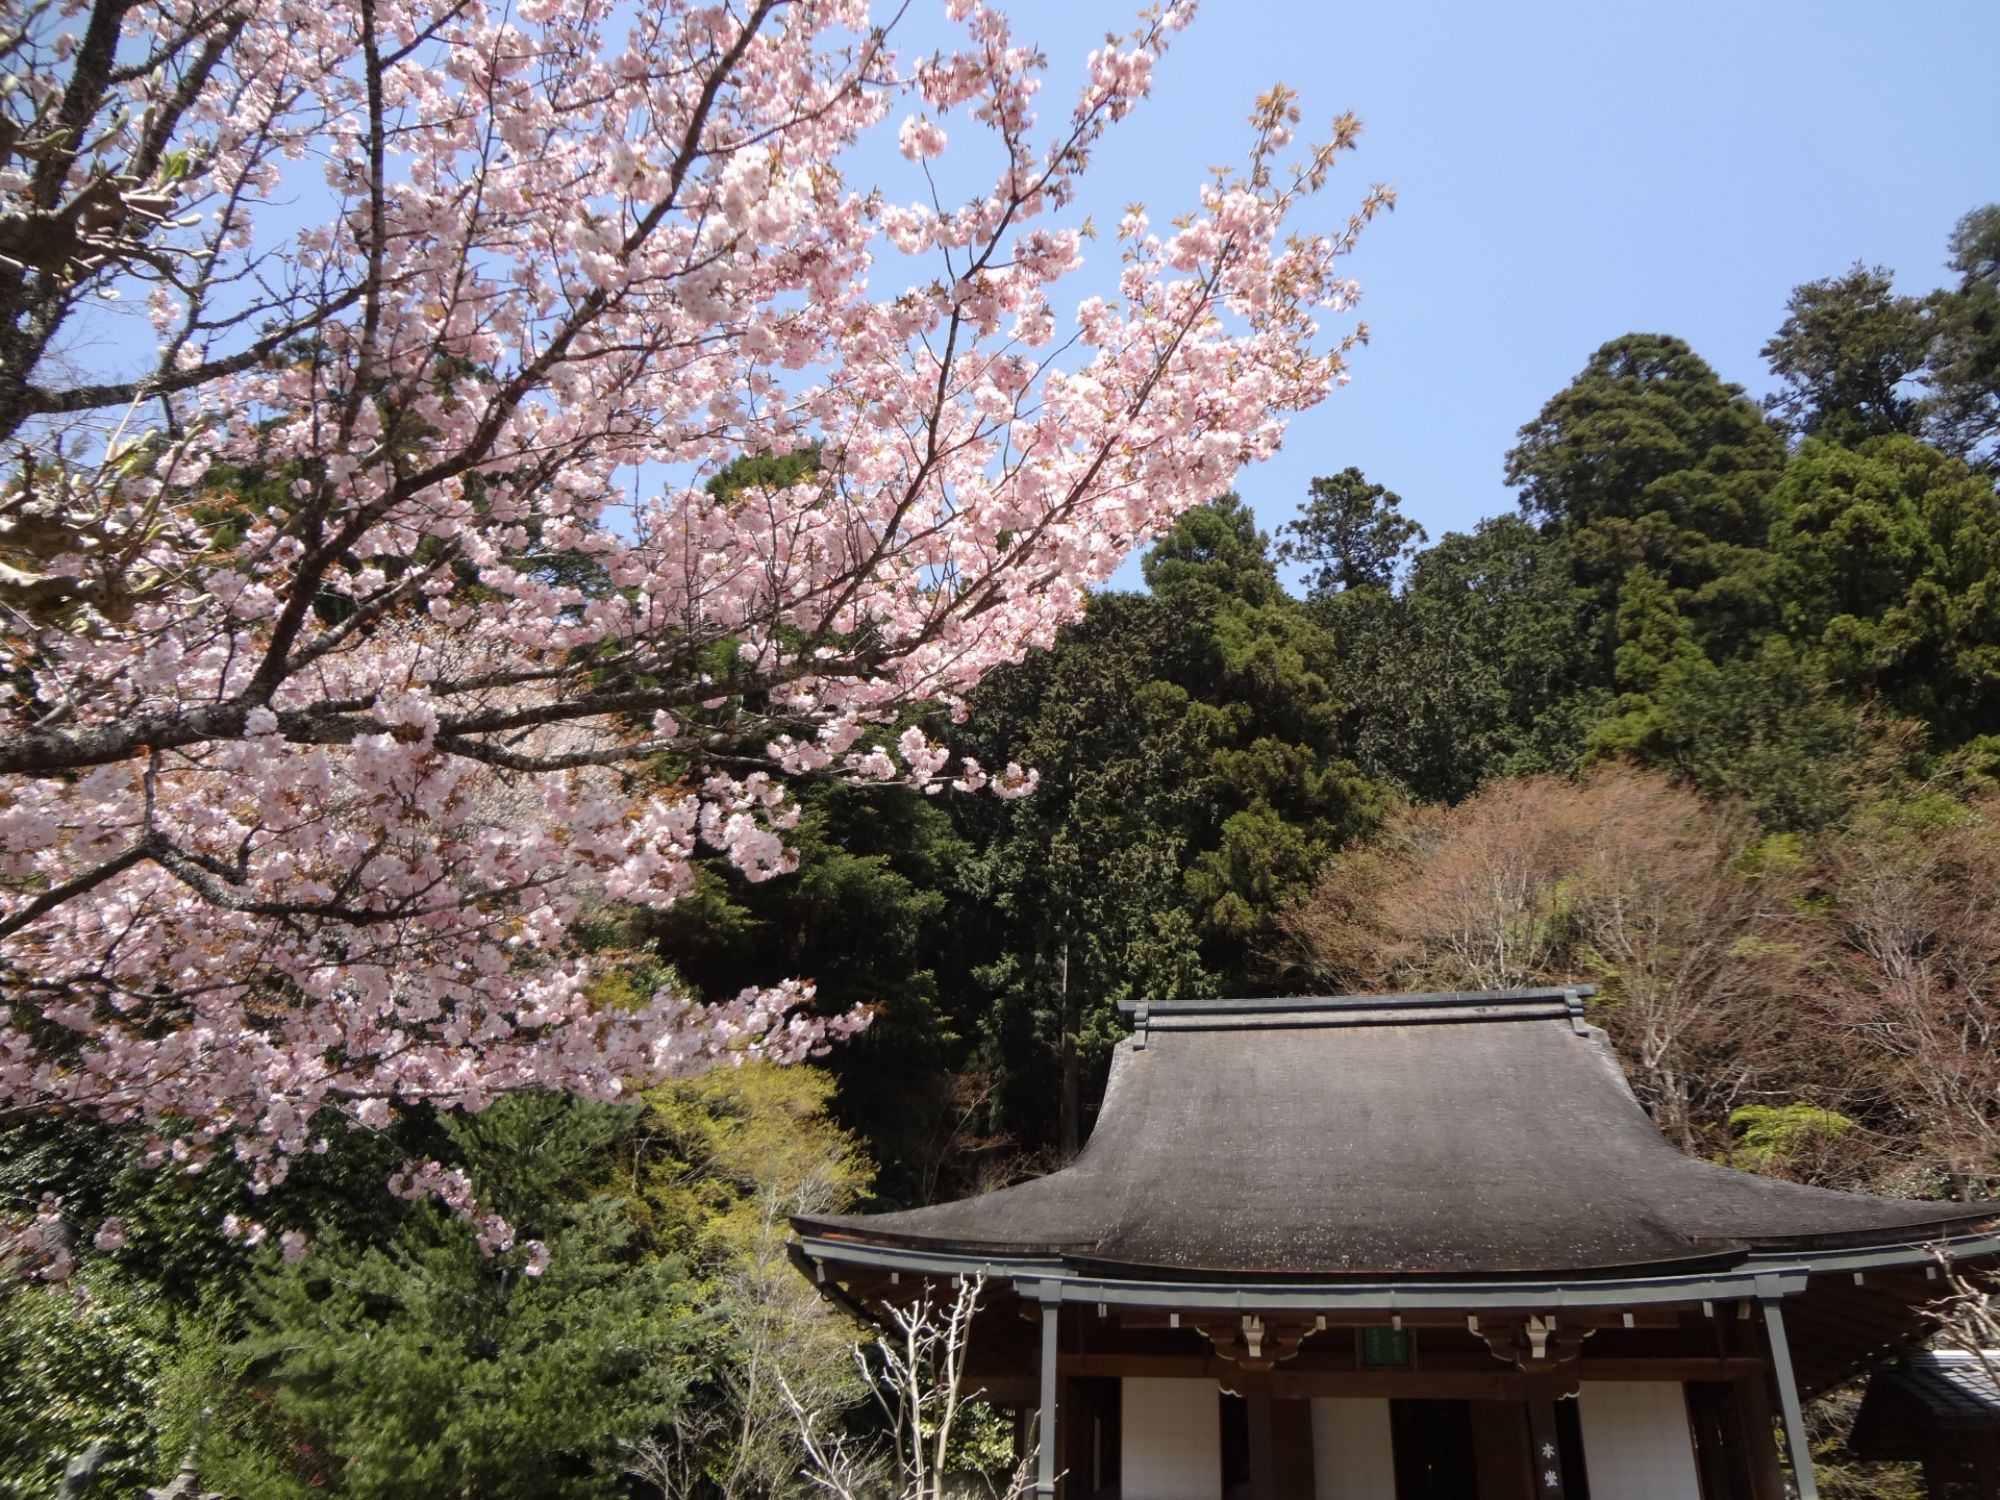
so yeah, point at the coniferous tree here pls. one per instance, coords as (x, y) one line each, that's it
(1964, 409)
(1192, 780)
(1349, 534)
(1847, 356)
(1485, 663)
(426, 1366)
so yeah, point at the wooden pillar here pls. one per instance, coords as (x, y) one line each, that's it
(1257, 1404)
(1760, 1442)
(1281, 1450)
(1986, 1463)
(1545, 1465)
(1796, 1447)
(1045, 1415)
(1937, 1471)
(1722, 1448)
(1502, 1455)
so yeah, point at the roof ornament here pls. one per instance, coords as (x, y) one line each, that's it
(1573, 1002)
(1535, 1344)
(1252, 1343)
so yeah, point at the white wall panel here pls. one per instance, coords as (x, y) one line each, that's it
(1170, 1440)
(1353, 1458)
(1635, 1440)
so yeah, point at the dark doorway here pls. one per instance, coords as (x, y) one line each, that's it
(1235, 1447)
(1435, 1458)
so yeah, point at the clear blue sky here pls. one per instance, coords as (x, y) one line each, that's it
(1566, 172)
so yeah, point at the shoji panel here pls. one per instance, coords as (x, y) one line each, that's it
(1635, 1440)
(1352, 1455)
(1170, 1445)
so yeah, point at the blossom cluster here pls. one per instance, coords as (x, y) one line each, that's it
(519, 525)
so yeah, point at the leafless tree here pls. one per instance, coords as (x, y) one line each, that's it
(1913, 980)
(915, 1374)
(1969, 1315)
(1620, 877)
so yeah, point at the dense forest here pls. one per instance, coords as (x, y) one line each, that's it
(1712, 722)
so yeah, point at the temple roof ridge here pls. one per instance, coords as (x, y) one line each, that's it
(1404, 1008)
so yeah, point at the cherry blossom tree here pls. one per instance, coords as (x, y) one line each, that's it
(370, 611)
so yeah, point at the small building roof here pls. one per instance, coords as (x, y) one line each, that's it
(1954, 1385)
(1927, 1404)
(1489, 1134)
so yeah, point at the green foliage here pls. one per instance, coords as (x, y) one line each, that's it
(1763, 729)
(81, 1364)
(737, 1151)
(1193, 779)
(1214, 550)
(873, 915)
(424, 1367)
(1891, 556)
(764, 471)
(1964, 408)
(424, 1370)
(1648, 435)
(1485, 664)
(1350, 534)
(1769, 1136)
(1847, 355)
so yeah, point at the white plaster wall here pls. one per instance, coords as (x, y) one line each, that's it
(1353, 1458)
(1636, 1443)
(1170, 1440)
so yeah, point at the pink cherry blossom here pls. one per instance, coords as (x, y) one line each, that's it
(377, 621)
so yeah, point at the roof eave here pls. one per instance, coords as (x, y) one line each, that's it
(1054, 1276)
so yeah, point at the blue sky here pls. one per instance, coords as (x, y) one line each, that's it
(1566, 172)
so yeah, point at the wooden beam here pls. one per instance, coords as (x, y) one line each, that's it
(1493, 1384)
(1672, 1367)
(1760, 1438)
(1478, 1368)
(1651, 1315)
(1210, 1365)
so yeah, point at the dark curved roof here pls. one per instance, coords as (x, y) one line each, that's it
(1954, 1385)
(1388, 1135)
(1929, 1405)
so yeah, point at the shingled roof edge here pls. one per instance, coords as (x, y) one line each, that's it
(1243, 1138)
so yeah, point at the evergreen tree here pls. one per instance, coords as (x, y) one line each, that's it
(1847, 355)
(1192, 781)
(1648, 430)
(426, 1367)
(1891, 558)
(1964, 408)
(1485, 664)
(876, 916)
(1349, 534)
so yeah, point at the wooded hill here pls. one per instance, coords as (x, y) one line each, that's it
(1713, 722)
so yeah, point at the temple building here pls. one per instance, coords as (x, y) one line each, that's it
(1405, 1247)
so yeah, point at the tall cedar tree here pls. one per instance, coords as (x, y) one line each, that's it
(1193, 780)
